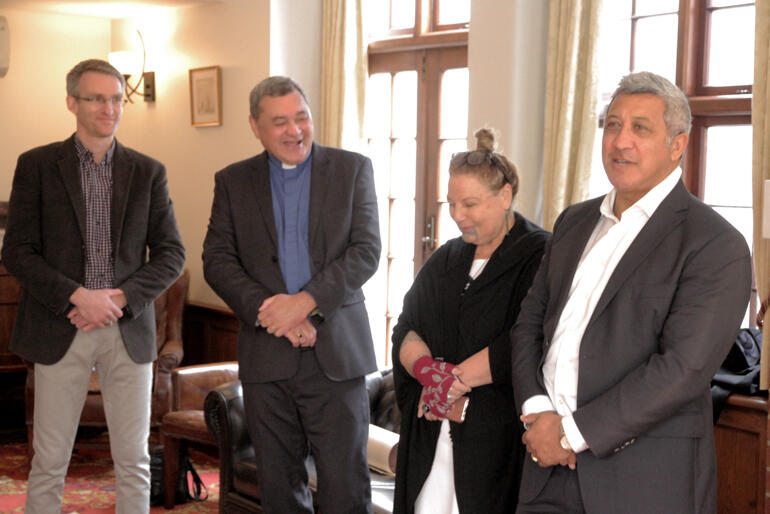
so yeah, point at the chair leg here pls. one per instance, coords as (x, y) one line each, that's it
(170, 468)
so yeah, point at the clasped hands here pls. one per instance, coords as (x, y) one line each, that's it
(286, 315)
(96, 308)
(442, 387)
(542, 439)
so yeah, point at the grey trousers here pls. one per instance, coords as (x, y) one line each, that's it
(60, 392)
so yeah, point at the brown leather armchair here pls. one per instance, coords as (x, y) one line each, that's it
(169, 307)
(184, 422)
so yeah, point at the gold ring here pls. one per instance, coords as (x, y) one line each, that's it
(534, 459)
(300, 335)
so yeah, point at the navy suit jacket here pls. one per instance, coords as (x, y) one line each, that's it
(240, 261)
(45, 242)
(660, 330)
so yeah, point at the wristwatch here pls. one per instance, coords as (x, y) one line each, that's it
(563, 437)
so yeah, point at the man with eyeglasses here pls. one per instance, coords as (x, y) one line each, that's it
(84, 215)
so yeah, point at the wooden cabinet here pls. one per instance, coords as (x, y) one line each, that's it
(742, 456)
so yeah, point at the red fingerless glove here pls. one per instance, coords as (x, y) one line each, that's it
(437, 378)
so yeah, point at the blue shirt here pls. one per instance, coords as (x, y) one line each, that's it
(291, 209)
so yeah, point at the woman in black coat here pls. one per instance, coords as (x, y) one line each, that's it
(452, 343)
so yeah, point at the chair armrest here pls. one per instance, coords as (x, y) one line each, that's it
(226, 420)
(170, 356)
(191, 384)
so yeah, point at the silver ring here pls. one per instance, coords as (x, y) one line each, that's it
(449, 397)
(534, 459)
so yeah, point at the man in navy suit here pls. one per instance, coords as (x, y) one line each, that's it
(83, 215)
(636, 302)
(292, 238)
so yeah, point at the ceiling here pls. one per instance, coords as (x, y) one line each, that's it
(101, 9)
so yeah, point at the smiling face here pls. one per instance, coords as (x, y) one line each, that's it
(285, 127)
(636, 152)
(95, 119)
(480, 213)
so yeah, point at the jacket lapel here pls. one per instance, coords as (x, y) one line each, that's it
(122, 176)
(260, 182)
(69, 167)
(666, 218)
(565, 255)
(320, 173)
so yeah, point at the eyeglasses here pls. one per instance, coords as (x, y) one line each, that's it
(116, 101)
(477, 157)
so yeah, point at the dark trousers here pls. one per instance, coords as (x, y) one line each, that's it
(561, 494)
(310, 413)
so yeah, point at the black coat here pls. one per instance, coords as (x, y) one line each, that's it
(456, 323)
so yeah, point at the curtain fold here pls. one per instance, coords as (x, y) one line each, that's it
(343, 74)
(570, 104)
(760, 121)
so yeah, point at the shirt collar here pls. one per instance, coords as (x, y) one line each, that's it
(86, 154)
(647, 204)
(279, 165)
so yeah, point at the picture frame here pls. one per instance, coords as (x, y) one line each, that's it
(206, 96)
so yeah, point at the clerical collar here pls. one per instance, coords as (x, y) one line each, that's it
(284, 166)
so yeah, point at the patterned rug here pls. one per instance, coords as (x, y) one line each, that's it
(90, 486)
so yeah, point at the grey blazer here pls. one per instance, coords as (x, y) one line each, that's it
(660, 330)
(44, 247)
(240, 261)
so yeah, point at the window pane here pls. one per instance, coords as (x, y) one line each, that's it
(731, 47)
(728, 166)
(655, 45)
(377, 16)
(404, 108)
(447, 228)
(454, 104)
(726, 3)
(448, 148)
(728, 175)
(453, 11)
(401, 229)
(401, 14)
(403, 169)
(378, 105)
(399, 282)
(645, 7)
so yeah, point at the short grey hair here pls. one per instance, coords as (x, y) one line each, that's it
(97, 65)
(272, 86)
(676, 115)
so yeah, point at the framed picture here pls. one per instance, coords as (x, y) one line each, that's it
(206, 96)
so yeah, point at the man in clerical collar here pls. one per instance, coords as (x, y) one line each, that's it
(293, 236)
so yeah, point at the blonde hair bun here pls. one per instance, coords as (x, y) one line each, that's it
(485, 139)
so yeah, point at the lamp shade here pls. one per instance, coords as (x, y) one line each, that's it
(126, 62)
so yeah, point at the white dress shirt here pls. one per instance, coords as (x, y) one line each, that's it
(606, 246)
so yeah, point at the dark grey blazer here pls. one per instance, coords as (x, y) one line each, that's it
(44, 247)
(660, 330)
(240, 261)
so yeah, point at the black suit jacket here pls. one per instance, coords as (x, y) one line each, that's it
(240, 261)
(45, 241)
(662, 326)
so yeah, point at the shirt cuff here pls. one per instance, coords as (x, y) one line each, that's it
(535, 404)
(574, 437)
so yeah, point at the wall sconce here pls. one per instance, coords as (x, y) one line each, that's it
(125, 62)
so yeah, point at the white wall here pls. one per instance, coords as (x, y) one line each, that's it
(295, 46)
(32, 95)
(233, 34)
(507, 48)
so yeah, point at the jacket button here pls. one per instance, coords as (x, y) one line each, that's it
(274, 258)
